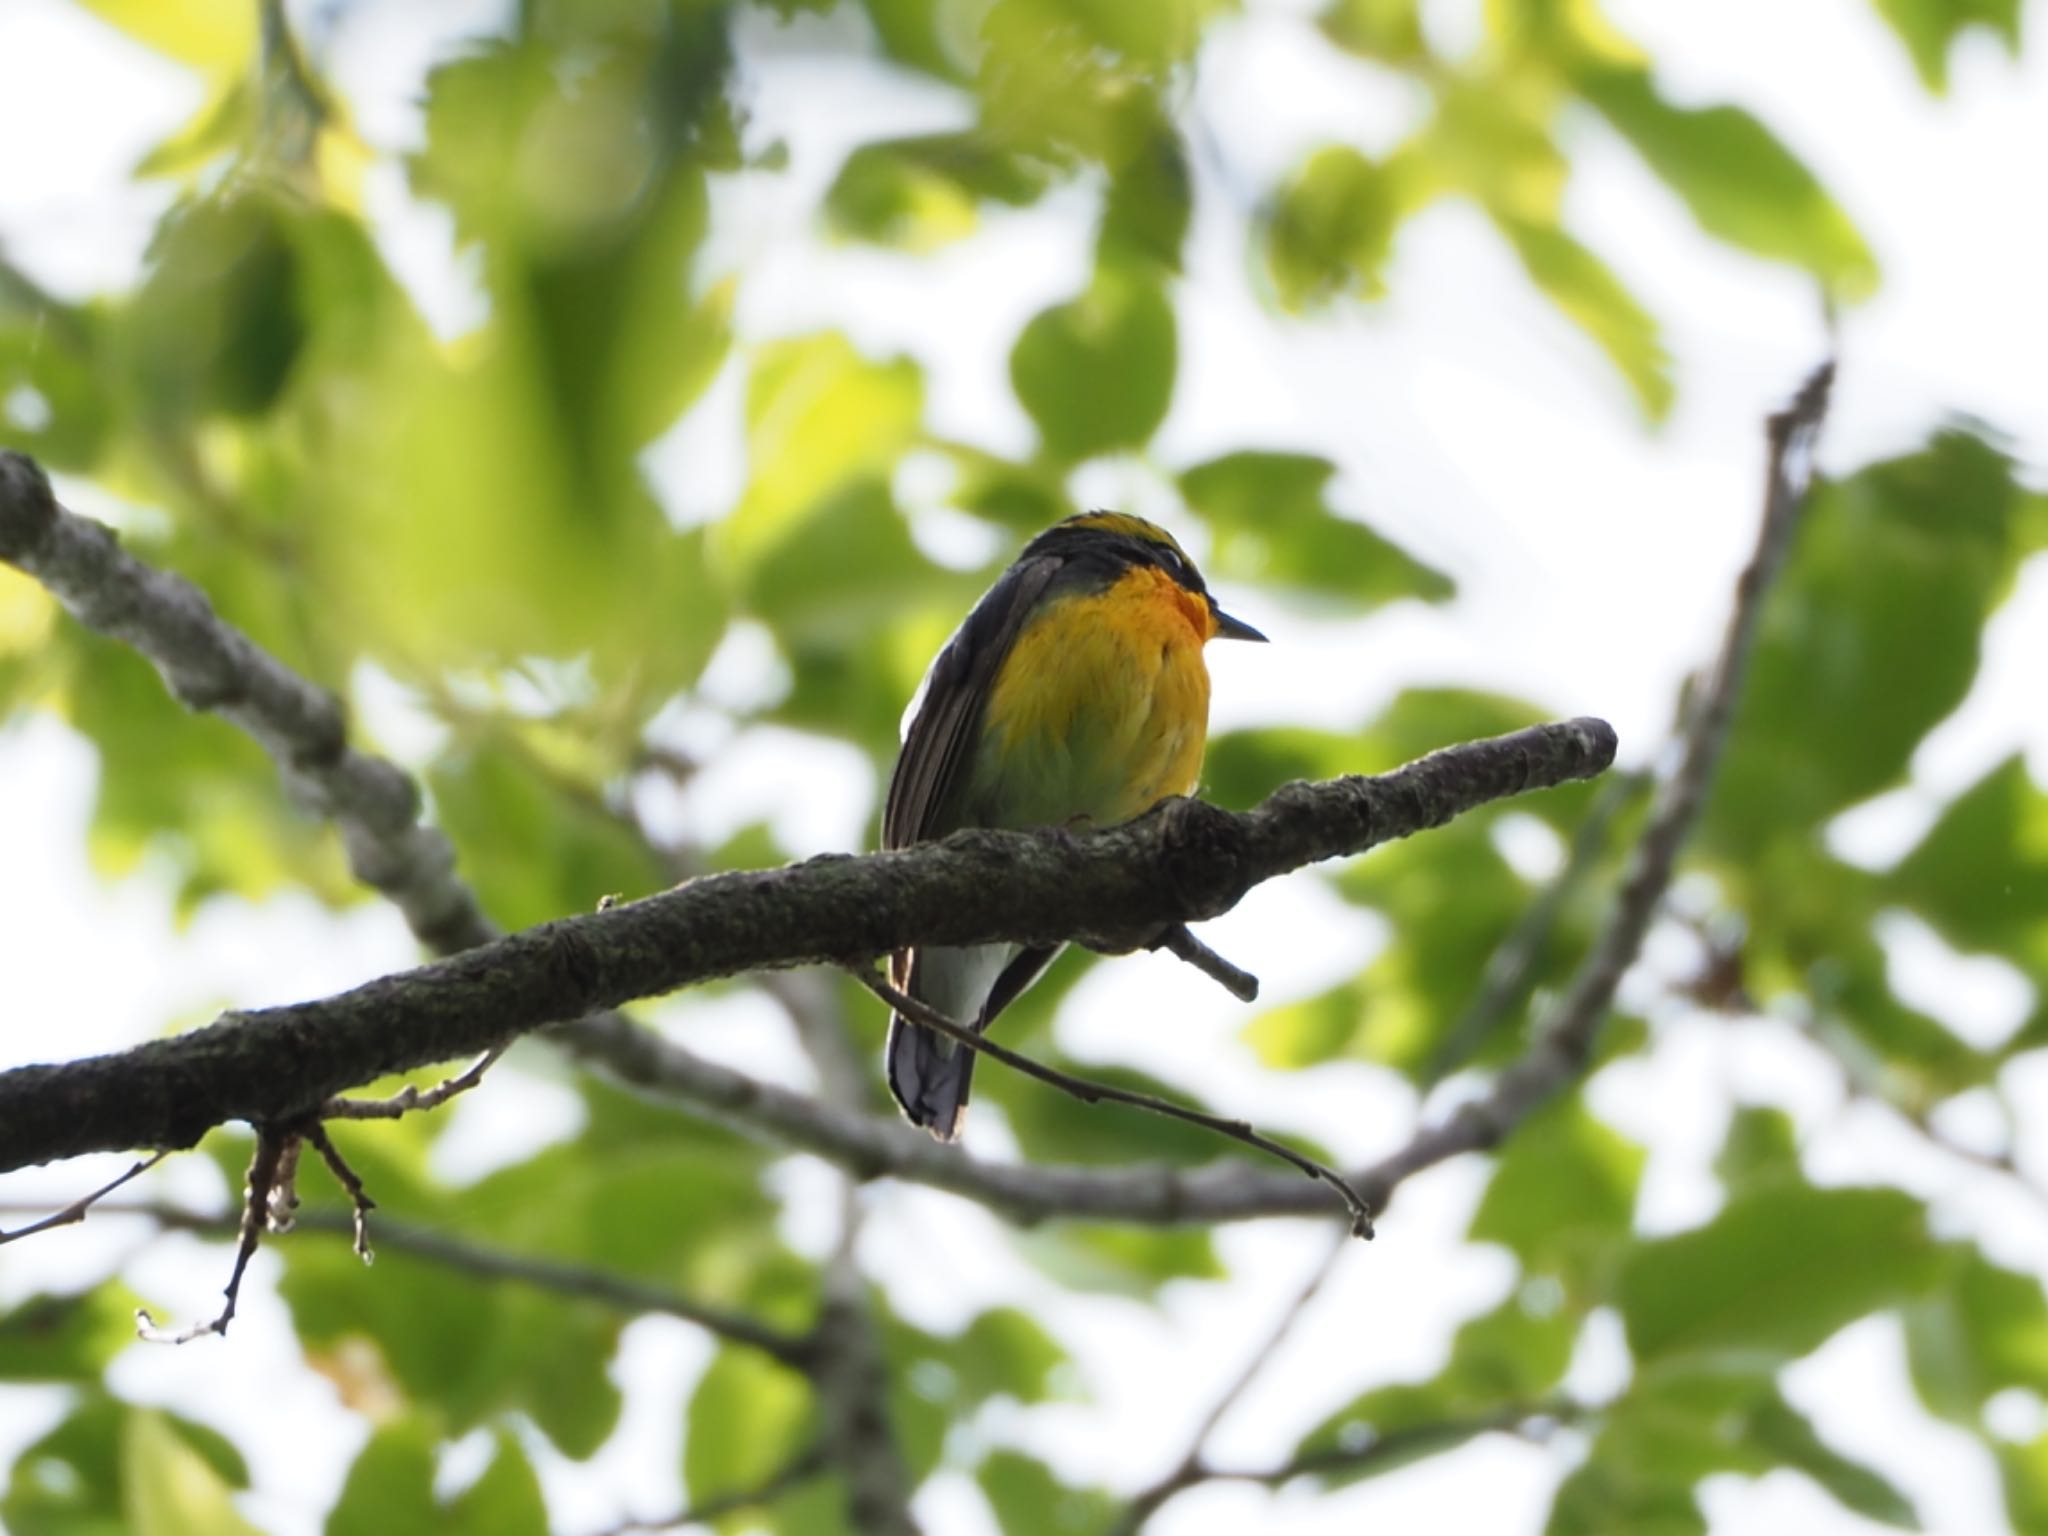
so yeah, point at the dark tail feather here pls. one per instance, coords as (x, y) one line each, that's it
(929, 1075)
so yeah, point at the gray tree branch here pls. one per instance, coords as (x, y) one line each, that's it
(1116, 890)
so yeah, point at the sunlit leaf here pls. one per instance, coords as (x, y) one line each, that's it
(169, 1488)
(1594, 298)
(921, 192)
(1740, 182)
(746, 1420)
(1930, 30)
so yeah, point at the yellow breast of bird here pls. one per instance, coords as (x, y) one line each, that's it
(1101, 709)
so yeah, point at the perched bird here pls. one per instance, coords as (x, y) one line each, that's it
(1074, 693)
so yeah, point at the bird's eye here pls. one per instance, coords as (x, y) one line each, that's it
(1171, 562)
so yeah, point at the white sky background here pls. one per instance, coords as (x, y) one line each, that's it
(1470, 421)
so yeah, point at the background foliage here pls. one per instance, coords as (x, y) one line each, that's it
(468, 522)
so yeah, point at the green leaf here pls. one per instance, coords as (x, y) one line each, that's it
(748, 1417)
(1762, 1146)
(390, 1488)
(1274, 527)
(1681, 1422)
(169, 1489)
(1776, 1273)
(216, 36)
(919, 193)
(1389, 31)
(1870, 638)
(1980, 875)
(1982, 1332)
(820, 417)
(1029, 1501)
(220, 324)
(1151, 200)
(1097, 373)
(1330, 231)
(532, 849)
(1563, 1191)
(1740, 182)
(390, 1485)
(1931, 28)
(67, 1337)
(1005, 1352)
(1785, 1435)
(1595, 299)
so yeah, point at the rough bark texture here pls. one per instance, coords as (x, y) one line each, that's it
(1112, 890)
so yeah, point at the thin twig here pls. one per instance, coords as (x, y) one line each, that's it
(1193, 1466)
(1180, 941)
(76, 1210)
(411, 1098)
(1565, 1036)
(272, 1147)
(799, 1471)
(360, 1202)
(1095, 1093)
(849, 1369)
(1505, 980)
(608, 1289)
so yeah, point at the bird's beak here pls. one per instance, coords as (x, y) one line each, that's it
(1228, 628)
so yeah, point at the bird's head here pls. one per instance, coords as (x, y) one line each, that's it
(1132, 541)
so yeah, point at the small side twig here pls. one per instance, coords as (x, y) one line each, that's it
(411, 1097)
(350, 1181)
(1180, 941)
(1506, 978)
(272, 1148)
(75, 1211)
(1096, 1093)
(1194, 1467)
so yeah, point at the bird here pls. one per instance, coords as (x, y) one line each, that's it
(1074, 693)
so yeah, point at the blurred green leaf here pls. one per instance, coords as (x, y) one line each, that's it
(1931, 28)
(1330, 230)
(1984, 1330)
(1740, 182)
(1762, 1146)
(1274, 527)
(920, 193)
(1680, 1423)
(390, 1488)
(1870, 638)
(1563, 1191)
(1150, 203)
(169, 1488)
(221, 320)
(1097, 373)
(1779, 1270)
(1595, 299)
(73, 1337)
(1387, 30)
(216, 36)
(746, 1420)
(1980, 875)
(1029, 1501)
(531, 849)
